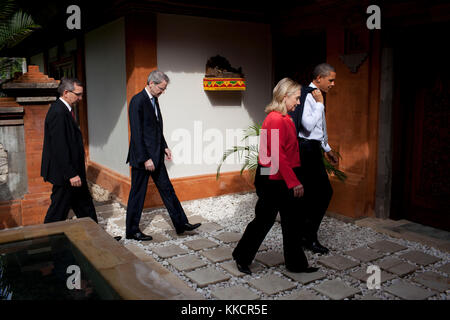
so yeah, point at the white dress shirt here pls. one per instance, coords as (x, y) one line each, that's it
(313, 120)
(67, 105)
(150, 96)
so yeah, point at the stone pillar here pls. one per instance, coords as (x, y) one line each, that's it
(33, 92)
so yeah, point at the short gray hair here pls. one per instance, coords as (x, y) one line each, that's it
(68, 84)
(322, 70)
(157, 76)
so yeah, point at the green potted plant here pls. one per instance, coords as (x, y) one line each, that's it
(250, 154)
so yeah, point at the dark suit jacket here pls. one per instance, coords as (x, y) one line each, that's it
(297, 114)
(63, 151)
(147, 138)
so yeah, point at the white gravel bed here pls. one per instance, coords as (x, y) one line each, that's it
(234, 212)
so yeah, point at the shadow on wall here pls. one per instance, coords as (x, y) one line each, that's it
(225, 98)
(186, 43)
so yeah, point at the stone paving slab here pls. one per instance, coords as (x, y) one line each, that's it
(229, 237)
(205, 277)
(403, 269)
(174, 235)
(407, 291)
(138, 251)
(387, 246)
(230, 266)
(234, 293)
(362, 275)
(338, 262)
(369, 297)
(162, 224)
(305, 278)
(106, 208)
(445, 268)
(270, 259)
(262, 247)
(272, 284)
(110, 214)
(209, 227)
(218, 254)
(336, 289)
(420, 257)
(169, 251)
(119, 222)
(187, 263)
(301, 295)
(364, 254)
(396, 266)
(433, 281)
(200, 244)
(197, 219)
(157, 237)
(389, 262)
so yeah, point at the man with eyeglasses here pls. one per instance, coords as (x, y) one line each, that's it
(63, 162)
(146, 154)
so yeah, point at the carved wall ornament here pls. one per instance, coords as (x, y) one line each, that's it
(3, 165)
(221, 76)
(353, 61)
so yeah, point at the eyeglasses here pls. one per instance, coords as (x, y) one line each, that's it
(162, 89)
(78, 94)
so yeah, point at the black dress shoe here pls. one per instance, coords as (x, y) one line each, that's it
(189, 227)
(140, 236)
(316, 247)
(243, 268)
(118, 238)
(303, 270)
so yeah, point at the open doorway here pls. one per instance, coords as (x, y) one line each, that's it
(421, 116)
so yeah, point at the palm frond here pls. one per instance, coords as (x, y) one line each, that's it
(16, 29)
(252, 153)
(227, 153)
(252, 131)
(7, 8)
(332, 169)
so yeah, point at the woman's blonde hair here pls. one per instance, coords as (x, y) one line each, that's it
(285, 87)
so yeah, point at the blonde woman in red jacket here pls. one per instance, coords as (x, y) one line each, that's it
(276, 182)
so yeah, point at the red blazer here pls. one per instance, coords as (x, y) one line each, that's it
(288, 152)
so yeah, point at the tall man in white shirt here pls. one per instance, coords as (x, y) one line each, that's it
(313, 140)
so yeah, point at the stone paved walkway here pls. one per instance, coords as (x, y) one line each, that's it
(202, 258)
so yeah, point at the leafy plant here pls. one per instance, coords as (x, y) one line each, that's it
(250, 154)
(15, 25)
(332, 169)
(5, 286)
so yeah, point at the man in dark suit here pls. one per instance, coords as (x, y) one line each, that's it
(146, 156)
(310, 122)
(63, 157)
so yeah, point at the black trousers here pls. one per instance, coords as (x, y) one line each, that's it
(318, 190)
(273, 197)
(139, 182)
(66, 197)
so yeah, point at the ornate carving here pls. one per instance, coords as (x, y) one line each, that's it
(353, 61)
(3, 165)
